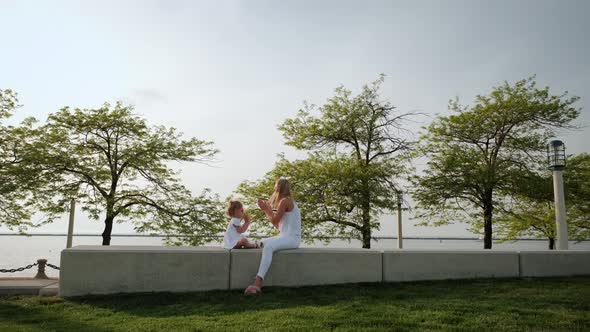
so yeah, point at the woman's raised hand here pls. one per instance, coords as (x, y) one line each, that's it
(263, 205)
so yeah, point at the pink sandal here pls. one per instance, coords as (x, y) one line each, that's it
(252, 290)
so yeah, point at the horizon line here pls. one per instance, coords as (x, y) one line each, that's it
(256, 236)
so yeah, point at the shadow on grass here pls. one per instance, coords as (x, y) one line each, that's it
(460, 296)
(23, 315)
(499, 304)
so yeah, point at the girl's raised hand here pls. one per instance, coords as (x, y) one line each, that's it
(246, 217)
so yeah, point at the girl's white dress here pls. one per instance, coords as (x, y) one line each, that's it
(231, 237)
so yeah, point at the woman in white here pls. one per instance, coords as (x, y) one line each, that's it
(287, 219)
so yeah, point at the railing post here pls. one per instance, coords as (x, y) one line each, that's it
(71, 223)
(41, 269)
(400, 237)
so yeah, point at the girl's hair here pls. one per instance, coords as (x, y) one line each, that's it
(282, 190)
(232, 206)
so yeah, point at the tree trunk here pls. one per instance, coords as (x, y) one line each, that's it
(487, 225)
(108, 228)
(551, 243)
(366, 229)
(366, 215)
(366, 232)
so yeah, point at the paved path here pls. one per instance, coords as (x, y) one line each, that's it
(29, 286)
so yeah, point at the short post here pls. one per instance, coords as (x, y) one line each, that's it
(556, 159)
(71, 223)
(41, 269)
(400, 239)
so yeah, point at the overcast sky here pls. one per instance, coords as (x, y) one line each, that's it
(231, 71)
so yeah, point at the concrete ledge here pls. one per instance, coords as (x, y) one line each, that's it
(307, 266)
(410, 265)
(551, 263)
(51, 290)
(128, 269)
(25, 286)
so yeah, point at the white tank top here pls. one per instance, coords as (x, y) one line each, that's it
(290, 224)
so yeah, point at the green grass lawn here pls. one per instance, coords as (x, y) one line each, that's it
(509, 304)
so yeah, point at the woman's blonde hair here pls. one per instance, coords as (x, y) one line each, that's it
(282, 190)
(232, 206)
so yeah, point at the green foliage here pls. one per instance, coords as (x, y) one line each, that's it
(364, 126)
(18, 183)
(478, 153)
(355, 157)
(115, 165)
(577, 191)
(327, 189)
(530, 210)
(8, 103)
(11, 212)
(194, 220)
(526, 217)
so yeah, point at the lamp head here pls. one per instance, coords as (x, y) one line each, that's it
(556, 155)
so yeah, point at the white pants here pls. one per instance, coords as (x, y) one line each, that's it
(273, 244)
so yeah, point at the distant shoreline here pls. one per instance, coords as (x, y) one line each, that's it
(221, 236)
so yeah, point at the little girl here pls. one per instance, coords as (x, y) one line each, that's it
(233, 238)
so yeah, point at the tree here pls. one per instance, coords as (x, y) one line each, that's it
(112, 162)
(477, 153)
(577, 189)
(326, 187)
(355, 157)
(530, 211)
(18, 183)
(12, 213)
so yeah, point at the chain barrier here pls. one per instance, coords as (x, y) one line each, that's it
(53, 266)
(20, 269)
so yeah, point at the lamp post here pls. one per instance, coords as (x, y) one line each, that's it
(71, 224)
(556, 159)
(400, 239)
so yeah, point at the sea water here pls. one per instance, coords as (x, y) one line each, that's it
(18, 251)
